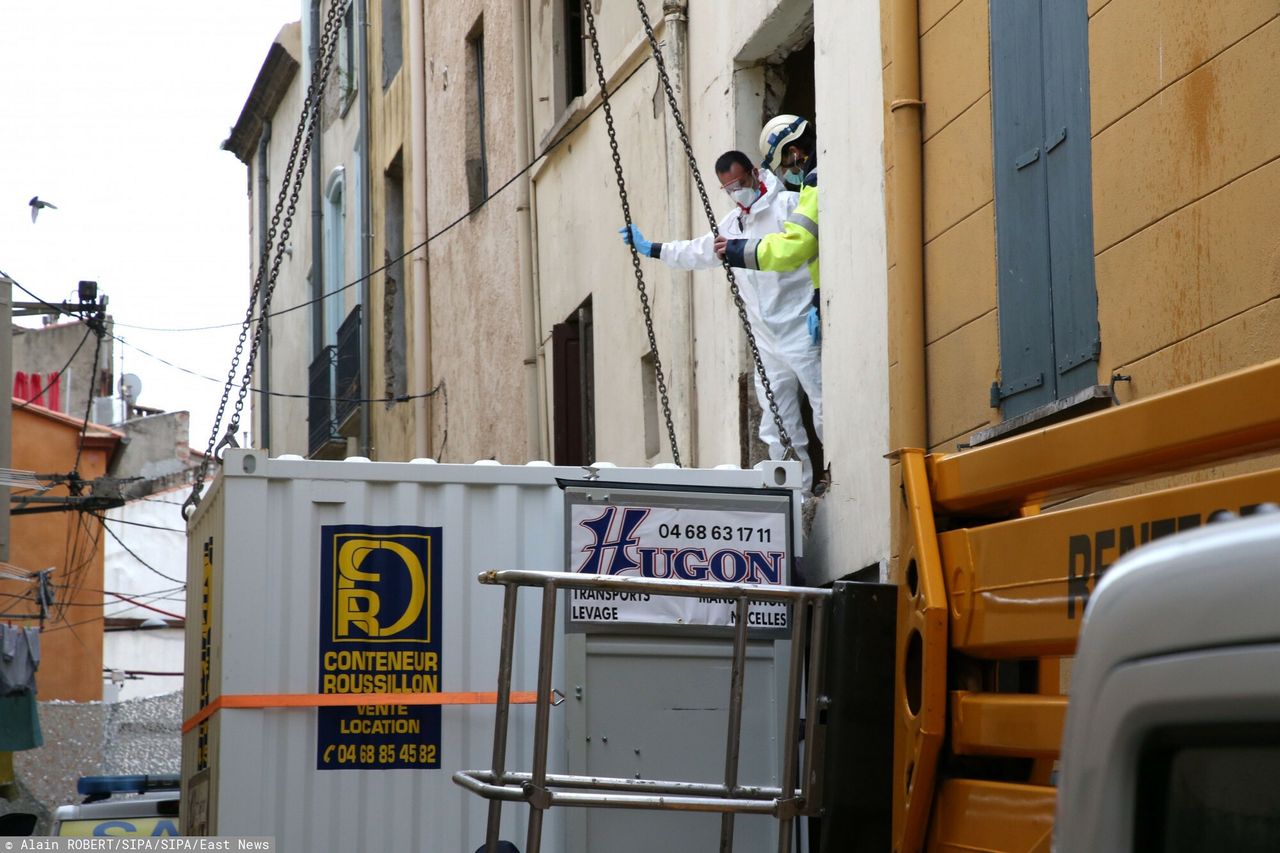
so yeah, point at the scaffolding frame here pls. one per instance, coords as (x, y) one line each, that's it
(542, 790)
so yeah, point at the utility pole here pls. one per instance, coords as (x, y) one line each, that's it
(6, 405)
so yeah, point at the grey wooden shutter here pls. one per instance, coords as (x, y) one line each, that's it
(1044, 219)
(1070, 175)
(1022, 209)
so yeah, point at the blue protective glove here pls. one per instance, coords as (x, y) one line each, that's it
(643, 246)
(815, 325)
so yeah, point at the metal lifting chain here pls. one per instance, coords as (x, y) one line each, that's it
(264, 283)
(626, 214)
(783, 436)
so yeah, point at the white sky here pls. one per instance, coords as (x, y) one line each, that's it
(115, 113)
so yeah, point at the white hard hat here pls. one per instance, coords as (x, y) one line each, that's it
(777, 132)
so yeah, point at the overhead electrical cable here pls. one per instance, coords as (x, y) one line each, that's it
(399, 398)
(135, 556)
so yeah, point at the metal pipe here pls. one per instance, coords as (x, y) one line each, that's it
(502, 711)
(524, 228)
(790, 742)
(469, 780)
(542, 720)
(317, 194)
(680, 207)
(264, 223)
(365, 176)
(734, 742)
(684, 804)
(810, 788)
(544, 415)
(651, 786)
(619, 801)
(421, 306)
(685, 589)
(910, 427)
(6, 405)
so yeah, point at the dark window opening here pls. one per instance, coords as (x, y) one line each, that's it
(392, 41)
(476, 155)
(573, 388)
(347, 51)
(573, 51)
(316, 286)
(395, 370)
(789, 90)
(797, 73)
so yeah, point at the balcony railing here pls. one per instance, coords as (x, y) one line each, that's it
(347, 367)
(334, 386)
(320, 423)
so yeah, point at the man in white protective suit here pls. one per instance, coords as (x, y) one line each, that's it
(777, 303)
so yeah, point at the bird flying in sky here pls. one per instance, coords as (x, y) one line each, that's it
(36, 204)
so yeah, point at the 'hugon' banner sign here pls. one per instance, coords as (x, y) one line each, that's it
(726, 537)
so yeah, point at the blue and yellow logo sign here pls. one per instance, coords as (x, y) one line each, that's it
(379, 633)
(382, 587)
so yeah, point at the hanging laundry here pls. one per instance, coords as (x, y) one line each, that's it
(19, 660)
(19, 723)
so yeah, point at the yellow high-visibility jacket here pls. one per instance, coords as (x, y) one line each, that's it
(789, 249)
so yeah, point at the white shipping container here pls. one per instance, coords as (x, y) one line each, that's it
(273, 586)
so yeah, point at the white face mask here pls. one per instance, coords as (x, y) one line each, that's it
(745, 197)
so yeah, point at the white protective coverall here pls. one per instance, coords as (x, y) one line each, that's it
(777, 305)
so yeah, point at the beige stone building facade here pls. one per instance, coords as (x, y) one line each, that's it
(1020, 202)
(401, 273)
(318, 258)
(505, 293)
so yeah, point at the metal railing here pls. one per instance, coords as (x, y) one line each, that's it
(538, 788)
(347, 368)
(320, 424)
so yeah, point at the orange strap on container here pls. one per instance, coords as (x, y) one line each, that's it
(328, 700)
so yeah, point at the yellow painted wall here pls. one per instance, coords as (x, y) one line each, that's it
(1186, 132)
(961, 332)
(392, 426)
(1186, 127)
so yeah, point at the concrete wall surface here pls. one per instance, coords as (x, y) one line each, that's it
(143, 578)
(475, 334)
(45, 350)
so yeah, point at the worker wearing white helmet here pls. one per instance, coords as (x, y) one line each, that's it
(777, 304)
(789, 146)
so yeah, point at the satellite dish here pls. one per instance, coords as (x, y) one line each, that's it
(130, 387)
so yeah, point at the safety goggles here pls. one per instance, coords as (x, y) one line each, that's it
(747, 183)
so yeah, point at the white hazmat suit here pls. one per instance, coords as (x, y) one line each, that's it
(777, 305)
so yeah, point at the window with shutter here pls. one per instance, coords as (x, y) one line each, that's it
(1048, 303)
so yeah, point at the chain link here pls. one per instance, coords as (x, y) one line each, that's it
(626, 215)
(783, 436)
(264, 282)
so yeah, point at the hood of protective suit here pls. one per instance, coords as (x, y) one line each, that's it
(772, 186)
